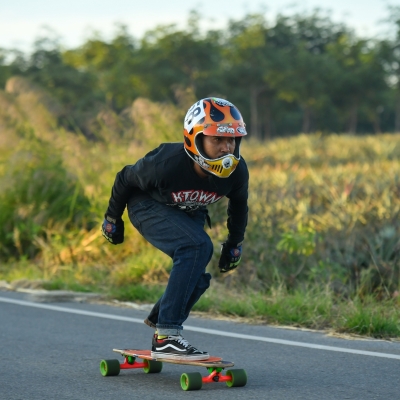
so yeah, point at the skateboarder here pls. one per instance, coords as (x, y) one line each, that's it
(166, 193)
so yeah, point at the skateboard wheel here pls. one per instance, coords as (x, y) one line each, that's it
(152, 366)
(239, 377)
(109, 367)
(191, 381)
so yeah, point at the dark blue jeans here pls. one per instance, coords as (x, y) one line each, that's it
(181, 235)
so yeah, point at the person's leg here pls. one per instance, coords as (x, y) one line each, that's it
(152, 318)
(183, 238)
(202, 285)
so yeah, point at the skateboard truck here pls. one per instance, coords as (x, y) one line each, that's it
(216, 376)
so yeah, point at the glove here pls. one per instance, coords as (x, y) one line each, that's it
(113, 229)
(231, 254)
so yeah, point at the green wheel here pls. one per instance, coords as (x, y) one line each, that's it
(239, 377)
(152, 366)
(191, 381)
(109, 367)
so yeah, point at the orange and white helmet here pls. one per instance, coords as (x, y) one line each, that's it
(213, 117)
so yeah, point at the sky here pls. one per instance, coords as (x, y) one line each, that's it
(22, 21)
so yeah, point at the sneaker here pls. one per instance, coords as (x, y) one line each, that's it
(176, 348)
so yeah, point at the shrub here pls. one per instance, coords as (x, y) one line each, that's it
(37, 193)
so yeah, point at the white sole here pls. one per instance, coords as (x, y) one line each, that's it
(169, 356)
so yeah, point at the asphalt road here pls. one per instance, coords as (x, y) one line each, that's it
(53, 351)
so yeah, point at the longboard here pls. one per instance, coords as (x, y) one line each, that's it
(189, 381)
(146, 355)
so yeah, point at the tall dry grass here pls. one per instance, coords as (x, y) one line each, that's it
(323, 209)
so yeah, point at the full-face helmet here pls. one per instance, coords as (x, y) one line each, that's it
(213, 117)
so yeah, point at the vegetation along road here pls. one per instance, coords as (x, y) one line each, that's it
(54, 349)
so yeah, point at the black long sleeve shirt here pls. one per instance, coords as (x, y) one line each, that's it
(167, 175)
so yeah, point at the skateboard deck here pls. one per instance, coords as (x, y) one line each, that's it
(146, 355)
(189, 381)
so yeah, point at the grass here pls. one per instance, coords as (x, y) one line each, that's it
(321, 248)
(316, 308)
(370, 318)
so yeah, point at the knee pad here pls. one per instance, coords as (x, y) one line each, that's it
(204, 281)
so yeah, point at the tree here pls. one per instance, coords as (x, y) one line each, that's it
(172, 58)
(113, 65)
(360, 82)
(5, 68)
(76, 90)
(390, 52)
(303, 70)
(245, 60)
(299, 73)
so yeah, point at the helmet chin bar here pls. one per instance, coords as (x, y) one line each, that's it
(224, 166)
(221, 167)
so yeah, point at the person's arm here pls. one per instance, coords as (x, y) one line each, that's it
(237, 207)
(139, 175)
(231, 250)
(124, 184)
(237, 216)
(113, 225)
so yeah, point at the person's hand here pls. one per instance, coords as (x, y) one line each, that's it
(113, 229)
(231, 254)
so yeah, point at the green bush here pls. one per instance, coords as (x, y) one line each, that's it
(37, 193)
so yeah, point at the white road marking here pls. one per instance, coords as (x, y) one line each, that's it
(203, 330)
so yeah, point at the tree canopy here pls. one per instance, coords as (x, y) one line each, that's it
(299, 73)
